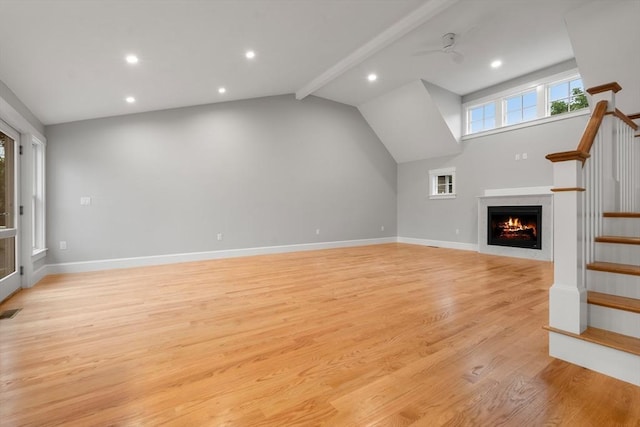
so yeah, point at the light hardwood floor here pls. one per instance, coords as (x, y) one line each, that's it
(386, 335)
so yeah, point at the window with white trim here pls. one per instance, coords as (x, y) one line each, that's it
(442, 183)
(558, 94)
(565, 96)
(37, 197)
(482, 117)
(520, 108)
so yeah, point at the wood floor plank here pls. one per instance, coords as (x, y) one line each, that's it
(386, 335)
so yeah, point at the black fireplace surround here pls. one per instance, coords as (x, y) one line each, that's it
(516, 226)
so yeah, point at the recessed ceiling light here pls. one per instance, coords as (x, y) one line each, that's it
(132, 59)
(496, 64)
(221, 90)
(250, 54)
(130, 99)
(372, 77)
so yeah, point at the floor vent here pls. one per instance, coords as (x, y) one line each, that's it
(8, 314)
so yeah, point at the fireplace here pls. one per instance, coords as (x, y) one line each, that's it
(515, 226)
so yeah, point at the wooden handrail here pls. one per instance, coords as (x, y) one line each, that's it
(584, 147)
(635, 116)
(589, 135)
(622, 116)
(592, 127)
(613, 86)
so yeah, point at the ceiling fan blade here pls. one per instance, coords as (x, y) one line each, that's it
(458, 58)
(426, 52)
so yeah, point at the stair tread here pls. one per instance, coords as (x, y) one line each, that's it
(621, 214)
(619, 239)
(614, 301)
(603, 337)
(613, 267)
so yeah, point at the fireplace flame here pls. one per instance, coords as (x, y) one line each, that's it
(514, 225)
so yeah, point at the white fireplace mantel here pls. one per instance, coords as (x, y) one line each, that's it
(519, 191)
(518, 197)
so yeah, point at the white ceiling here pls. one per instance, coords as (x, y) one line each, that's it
(65, 59)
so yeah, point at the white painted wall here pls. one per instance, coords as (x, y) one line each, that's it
(605, 35)
(450, 107)
(410, 124)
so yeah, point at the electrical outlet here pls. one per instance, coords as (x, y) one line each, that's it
(63, 245)
(219, 236)
(382, 228)
(457, 231)
(85, 201)
(317, 231)
(518, 156)
(524, 156)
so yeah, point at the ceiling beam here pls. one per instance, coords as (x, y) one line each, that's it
(398, 30)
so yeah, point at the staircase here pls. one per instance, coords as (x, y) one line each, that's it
(594, 303)
(613, 280)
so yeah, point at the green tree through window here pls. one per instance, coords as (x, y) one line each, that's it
(578, 101)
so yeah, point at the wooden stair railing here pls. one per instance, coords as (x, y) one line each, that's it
(584, 147)
(635, 116)
(627, 119)
(593, 294)
(584, 191)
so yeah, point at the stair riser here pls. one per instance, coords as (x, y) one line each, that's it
(615, 363)
(618, 253)
(620, 321)
(623, 285)
(621, 227)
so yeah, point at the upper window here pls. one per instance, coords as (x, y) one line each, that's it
(567, 96)
(520, 108)
(555, 95)
(482, 117)
(442, 183)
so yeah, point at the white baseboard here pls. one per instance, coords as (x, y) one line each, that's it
(614, 363)
(109, 264)
(39, 274)
(439, 243)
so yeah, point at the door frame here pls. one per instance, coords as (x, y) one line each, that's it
(18, 117)
(13, 282)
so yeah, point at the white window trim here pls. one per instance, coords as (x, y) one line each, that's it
(505, 111)
(499, 98)
(468, 115)
(536, 122)
(38, 225)
(433, 183)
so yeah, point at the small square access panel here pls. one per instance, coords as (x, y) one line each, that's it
(9, 314)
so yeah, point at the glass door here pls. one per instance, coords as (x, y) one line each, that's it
(9, 275)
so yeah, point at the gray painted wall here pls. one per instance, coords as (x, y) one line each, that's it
(486, 162)
(263, 172)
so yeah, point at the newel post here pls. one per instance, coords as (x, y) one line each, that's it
(573, 228)
(568, 295)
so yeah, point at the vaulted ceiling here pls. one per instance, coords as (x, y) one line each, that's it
(65, 59)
